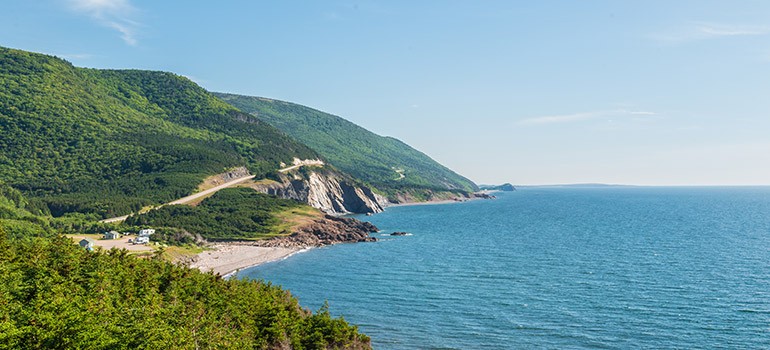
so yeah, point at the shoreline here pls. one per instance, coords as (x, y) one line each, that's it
(443, 201)
(227, 259)
(437, 202)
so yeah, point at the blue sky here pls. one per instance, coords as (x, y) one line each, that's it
(528, 92)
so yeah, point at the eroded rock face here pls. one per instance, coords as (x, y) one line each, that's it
(230, 175)
(327, 192)
(325, 231)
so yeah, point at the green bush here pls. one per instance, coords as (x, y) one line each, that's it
(232, 213)
(55, 295)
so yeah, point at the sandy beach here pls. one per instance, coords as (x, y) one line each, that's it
(225, 258)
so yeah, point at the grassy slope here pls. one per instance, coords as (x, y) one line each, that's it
(111, 142)
(353, 149)
(232, 213)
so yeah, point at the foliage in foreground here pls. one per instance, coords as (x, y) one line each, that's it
(55, 295)
(232, 213)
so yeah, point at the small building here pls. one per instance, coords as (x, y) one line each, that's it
(87, 243)
(142, 240)
(112, 235)
(146, 232)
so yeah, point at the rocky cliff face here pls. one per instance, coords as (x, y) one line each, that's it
(328, 191)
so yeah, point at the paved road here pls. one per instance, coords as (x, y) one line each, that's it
(117, 219)
(191, 197)
(200, 194)
(195, 196)
(302, 163)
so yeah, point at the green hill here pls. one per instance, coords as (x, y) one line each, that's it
(56, 295)
(108, 142)
(232, 213)
(384, 162)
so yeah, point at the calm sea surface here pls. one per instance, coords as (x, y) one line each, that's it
(561, 268)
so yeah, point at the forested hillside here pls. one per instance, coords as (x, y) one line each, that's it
(108, 142)
(56, 295)
(384, 162)
(233, 213)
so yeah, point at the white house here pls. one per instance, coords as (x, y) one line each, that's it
(111, 235)
(146, 232)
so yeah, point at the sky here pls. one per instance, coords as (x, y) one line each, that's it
(527, 92)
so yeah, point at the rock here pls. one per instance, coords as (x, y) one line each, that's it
(399, 233)
(326, 190)
(230, 175)
(325, 231)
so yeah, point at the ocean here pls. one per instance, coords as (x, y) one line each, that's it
(553, 268)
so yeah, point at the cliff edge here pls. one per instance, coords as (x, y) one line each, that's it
(324, 189)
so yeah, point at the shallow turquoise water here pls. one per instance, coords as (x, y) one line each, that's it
(563, 268)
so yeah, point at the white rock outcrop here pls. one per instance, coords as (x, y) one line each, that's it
(326, 190)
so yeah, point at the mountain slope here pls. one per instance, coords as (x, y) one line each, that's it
(384, 162)
(109, 142)
(57, 295)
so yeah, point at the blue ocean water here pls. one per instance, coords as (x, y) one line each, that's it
(561, 268)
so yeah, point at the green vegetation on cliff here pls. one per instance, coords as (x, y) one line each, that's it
(384, 162)
(109, 142)
(232, 213)
(56, 295)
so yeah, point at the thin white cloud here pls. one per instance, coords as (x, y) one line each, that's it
(717, 31)
(583, 116)
(640, 112)
(563, 118)
(703, 31)
(115, 14)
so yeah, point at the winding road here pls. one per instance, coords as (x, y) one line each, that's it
(184, 200)
(189, 198)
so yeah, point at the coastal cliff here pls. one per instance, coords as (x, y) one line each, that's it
(326, 190)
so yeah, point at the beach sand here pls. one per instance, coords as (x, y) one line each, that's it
(226, 259)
